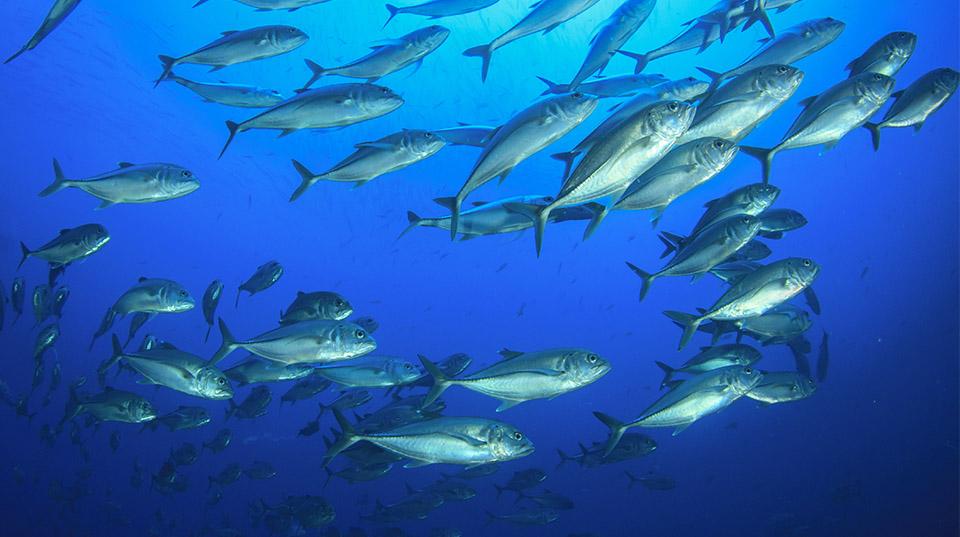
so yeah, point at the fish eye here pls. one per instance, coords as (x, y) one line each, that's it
(782, 69)
(807, 262)
(339, 303)
(748, 370)
(185, 173)
(407, 366)
(428, 135)
(221, 381)
(592, 358)
(718, 144)
(673, 106)
(746, 219)
(518, 435)
(577, 95)
(360, 334)
(807, 33)
(548, 198)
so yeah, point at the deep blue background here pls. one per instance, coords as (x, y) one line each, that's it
(873, 453)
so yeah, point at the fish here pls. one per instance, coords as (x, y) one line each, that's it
(149, 295)
(130, 183)
(59, 11)
(219, 442)
(752, 251)
(681, 170)
(274, 5)
(735, 109)
(886, 56)
(181, 419)
(237, 95)
(608, 87)
(828, 117)
(262, 279)
(211, 299)
(69, 246)
(700, 253)
(466, 441)
(305, 389)
(526, 376)
(787, 48)
(652, 481)
(254, 406)
(360, 474)
(372, 159)
(913, 106)
(706, 30)
(539, 516)
(165, 365)
(371, 372)
(526, 133)
(315, 306)
(782, 387)
(260, 470)
(689, 401)
(774, 222)
(684, 89)
(550, 500)
(823, 358)
(544, 16)
(306, 342)
(476, 472)
(437, 9)
(46, 339)
(388, 56)
(136, 323)
(522, 480)
(754, 294)
(347, 400)
(109, 405)
(812, 300)
(710, 358)
(466, 134)
(40, 300)
(611, 164)
(55, 376)
(17, 294)
(613, 34)
(58, 301)
(632, 446)
(451, 366)
(241, 46)
(230, 474)
(751, 200)
(184, 455)
(337, 105)
(254, 370)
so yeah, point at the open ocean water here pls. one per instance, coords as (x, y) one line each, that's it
(862, 440)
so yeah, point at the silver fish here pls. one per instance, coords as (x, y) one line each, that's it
(614, 86)
(615, 32)
(545, 16)
(17, 295)
(523, 135)
(231, 94)
(316, 306)
(437, 9)
(472, 135)
(130, 183)
(110, 405)
(828, 117)
(525, 376)
(751, 199)
(305, 342)
(887, 56)
(373, 159)
(254, 370)
(239, 46)
(72, 244)
(59, 11)
(337, 105)
(273, 5)
(782, 387)
(254, 406)
(754, 294)
(262, 279)
(914, 105)
(149, 295)
(46, 338)
(387, 57)
(774, 222)
(371, 372)
(710, 358)
(211, 299)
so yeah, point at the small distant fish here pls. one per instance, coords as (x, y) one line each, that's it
(274, 5)
(58, 301)
(652, 482)
(211, 299)
(254, 406)
(318, 305)
(231, 94)
(219, 442)
(863, 273)
(612, 35)
(59, 11)
(45, 339)
(823, 359)
(437, 9)
(262, 279)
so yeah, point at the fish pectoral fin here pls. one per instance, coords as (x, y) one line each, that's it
(681, 428)
(104, 204)
(374, 145)
(506, 405)
(416, 463)
(473, 441)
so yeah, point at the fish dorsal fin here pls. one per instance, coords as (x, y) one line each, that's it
(764, 40)
(479, 203)
(142, 279)
(64, 230)
(300, 294)
(508, 354)
(897, 94)
(447, 203)
(125, 164)
(228, 32)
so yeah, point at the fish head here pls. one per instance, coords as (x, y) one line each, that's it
(586, 366)
(945, 80)
(403, 372)
(175, 298)
(507, 443)
(94, 236)
(213, 384)
(791, 218)
(779, 81)
(141, 411)
(572, 108)
(670, 119)
(287, 38)
(422, 143)
(428, 38)
(874, 87)
(175, 181)
(748, 355)
(455, 364)
(801, 271)
(823, 30)
(715, 153)
(378, 100)
(356, 340)
(683, 89)
(744, 378)
(761, 195)
(743, 227)
(804, 387)
(899, 44)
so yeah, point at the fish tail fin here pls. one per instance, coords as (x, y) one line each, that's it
(207, 337)
(874, 134)
(552, 87)
(317, 70)
(646, 279)
(617, 428)
(641, 59)
(540, 216)
(229, 343)
(668, 373)
(598, 216)
(327, 468)
(16, 54)
(73, 403)
(690, 324)
(109, 362)
(413, 220)
(765, 156)
(348, 437)
(440, 381)
(567, 158)
(25, 254)
(563, 458)
(394, 11)
(234, 128)
(457, 203)
(484, 52)
(59, 181)
(633, 479)
(199, 2)
(168, 63)
(715, 78)
(307, 178)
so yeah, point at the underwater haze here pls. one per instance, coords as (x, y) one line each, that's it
(818, 398)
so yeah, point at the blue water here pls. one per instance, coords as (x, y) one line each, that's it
(873, 452)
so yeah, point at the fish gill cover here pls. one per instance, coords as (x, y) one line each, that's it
(274, 342)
